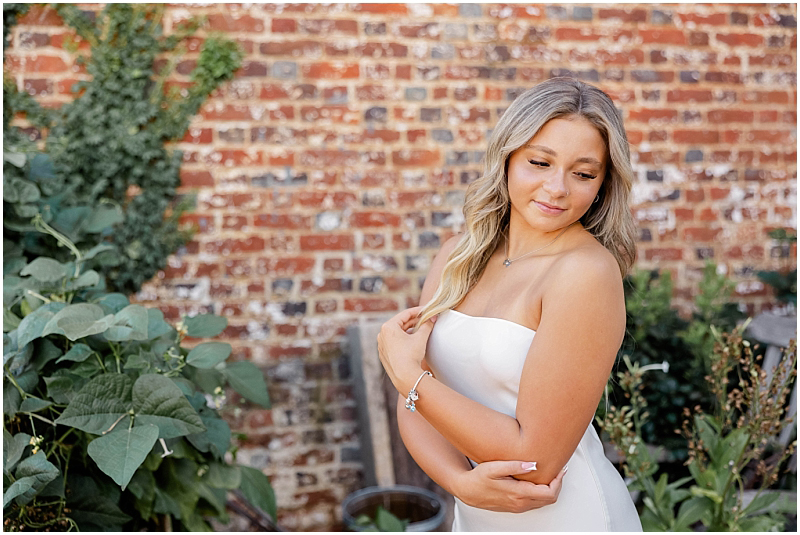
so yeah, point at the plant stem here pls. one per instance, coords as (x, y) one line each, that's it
(14, 382)
(60, 440)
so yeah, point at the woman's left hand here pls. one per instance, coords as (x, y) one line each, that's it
(401, 352)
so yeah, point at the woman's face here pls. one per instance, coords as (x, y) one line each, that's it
(554, 178)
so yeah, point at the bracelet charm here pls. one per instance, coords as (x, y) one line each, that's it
(413, 395)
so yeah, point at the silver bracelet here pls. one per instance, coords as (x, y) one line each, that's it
(413, 395)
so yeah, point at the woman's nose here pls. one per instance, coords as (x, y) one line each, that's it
(556, 184)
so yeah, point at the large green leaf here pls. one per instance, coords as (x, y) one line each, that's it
(93, 508)
(77, 353)
(85, 280)
(223, 476)
(215, 439)
(45, 269)
(13, 448)
(103, 217)
(32, 325)
(248, 380)
(256, 488)
(143, 488)
(100, 403)
(43, 352)
(10, 320)
(205, 325)
(11, 397)
(77, 321)
(156, 326)
(691, 511)
(158, 401)
(208, 355)
(97, 249)
(113, 302)
(33, 404)
(130, 323)
(122, 451)
(32, 475)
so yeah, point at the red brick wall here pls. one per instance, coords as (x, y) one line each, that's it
(330, 170)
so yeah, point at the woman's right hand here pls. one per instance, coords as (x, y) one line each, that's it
(490, 485)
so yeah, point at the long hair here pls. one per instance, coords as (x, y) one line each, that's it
(486, 207)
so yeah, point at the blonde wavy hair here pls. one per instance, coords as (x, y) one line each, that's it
(486, 207)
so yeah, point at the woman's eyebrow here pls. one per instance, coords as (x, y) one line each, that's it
(548, 150)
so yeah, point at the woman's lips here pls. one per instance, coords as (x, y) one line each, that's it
(548, 209)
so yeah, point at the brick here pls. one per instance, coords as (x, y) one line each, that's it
(667, 37)
(771, 97)
(689, 95)
(416, 158)
(772, 60)
(695, 137)
(664, 254)
(328, 26)
(701, 234)
(304, 48)
(284, 26)
(322, 199)
(713, 19)
(623, 15)
(730, 116)
(381, 50)
(40, 15)
(694, 195)
(771, 136)
(196, 179)
(37, 63)
(235, 23)
(382, 9)
(327, 242)
(740, 39)
(282, 221)
(374, 219)
(331, 71)
(646, 115)
(375, 304)
(239, 245)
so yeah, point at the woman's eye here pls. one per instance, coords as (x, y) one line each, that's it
(539, 164)
(587, 176)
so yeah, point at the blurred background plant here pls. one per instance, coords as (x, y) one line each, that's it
(656, 334)
(733, 450)
(109, 145)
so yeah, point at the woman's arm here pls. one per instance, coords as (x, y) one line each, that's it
(567, 367)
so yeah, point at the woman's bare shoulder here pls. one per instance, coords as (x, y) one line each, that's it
(590, 262)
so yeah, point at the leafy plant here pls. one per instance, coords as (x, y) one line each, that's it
(722, 448)
(656, 334)
(383, 521)
(109, 422)
(108, 146)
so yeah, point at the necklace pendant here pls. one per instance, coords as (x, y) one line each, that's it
(507, 262)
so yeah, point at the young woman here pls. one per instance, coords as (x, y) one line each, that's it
(529, 314)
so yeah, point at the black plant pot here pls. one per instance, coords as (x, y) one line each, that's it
(422, 508)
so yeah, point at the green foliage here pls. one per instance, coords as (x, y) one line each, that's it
(106, 425)
(656, 334)
(383, 521)
(108, 145)
(725, 450)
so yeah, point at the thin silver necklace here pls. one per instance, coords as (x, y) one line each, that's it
(507, 261)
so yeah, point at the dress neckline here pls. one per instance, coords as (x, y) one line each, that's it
(496, 319)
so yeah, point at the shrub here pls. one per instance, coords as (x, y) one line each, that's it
(109, 422)
(109, 144)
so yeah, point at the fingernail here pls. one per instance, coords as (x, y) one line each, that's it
(565, 469)
(529, 466)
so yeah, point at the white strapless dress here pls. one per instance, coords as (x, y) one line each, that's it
(482, 358)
